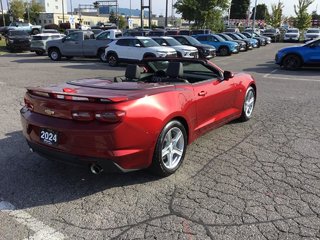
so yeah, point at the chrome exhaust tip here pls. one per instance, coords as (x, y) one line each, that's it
(96, 169)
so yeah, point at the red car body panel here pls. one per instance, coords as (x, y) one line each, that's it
(147, 108)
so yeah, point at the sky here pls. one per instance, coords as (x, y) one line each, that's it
(158, 6)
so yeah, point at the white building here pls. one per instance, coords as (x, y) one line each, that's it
(54, 6)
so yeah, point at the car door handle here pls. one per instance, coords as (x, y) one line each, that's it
(202, 93)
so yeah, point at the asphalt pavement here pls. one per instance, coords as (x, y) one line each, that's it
(253, 180)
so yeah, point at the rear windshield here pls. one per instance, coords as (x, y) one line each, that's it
(292, 31)
(313, 31)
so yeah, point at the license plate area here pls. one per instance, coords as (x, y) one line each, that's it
(48, 136)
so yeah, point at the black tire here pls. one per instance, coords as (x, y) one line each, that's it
(224, 51)
(102, 55)
(248, 104)
(39, 53)
(291, 62)
(162, 165)
(35, 31)
(54, 54)
(112, 59)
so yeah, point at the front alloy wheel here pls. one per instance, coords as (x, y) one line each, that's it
(248, 104)
(113, 60)
(291, 62)
(55, 54)
(170, 149)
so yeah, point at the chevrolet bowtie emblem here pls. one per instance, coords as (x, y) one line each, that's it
(49, 112)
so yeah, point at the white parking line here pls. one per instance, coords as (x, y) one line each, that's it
(268, 74)
(42, 231)
(296, 79)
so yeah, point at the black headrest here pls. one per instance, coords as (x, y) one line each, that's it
(133, 71)
(175, 70)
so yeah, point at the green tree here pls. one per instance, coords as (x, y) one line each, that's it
(17, 8)
(204, 13)
(262, 12)
(239, 9)
(112, 17)
(34, 9)
(303, 19)
(276, 15)
(315, 15)
(122, 22)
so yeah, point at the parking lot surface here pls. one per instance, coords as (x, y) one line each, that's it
(253, 180)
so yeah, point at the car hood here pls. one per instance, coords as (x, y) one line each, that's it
(19, 37)
(205, 46)
(105, 89)
(162, 49)
(185, 48)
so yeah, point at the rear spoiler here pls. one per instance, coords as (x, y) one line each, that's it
(72, 95)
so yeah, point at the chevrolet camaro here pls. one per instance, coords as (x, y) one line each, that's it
(144, 119)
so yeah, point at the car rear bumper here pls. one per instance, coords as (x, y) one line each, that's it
(87, 143)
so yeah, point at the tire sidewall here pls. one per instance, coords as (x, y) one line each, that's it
(57, 52)
(296, 66)
(114, 62)
(244, 115)
(157, 164)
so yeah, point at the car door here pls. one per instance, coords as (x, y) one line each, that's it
(215, 98)
(313, 52)
(89, 45)
(72, 44)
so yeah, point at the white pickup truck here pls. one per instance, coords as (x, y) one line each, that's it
(80, 44)
(28, 27)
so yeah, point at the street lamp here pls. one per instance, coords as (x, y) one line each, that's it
(254, 17)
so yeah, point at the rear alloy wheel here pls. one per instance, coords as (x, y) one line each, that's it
(102, 56)
(170, 149)
(291, 62)
(112, 60)
(224, 51)
(248, 104)
(55, 54)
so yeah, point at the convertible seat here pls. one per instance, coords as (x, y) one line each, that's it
(133, 73)
(175, 72)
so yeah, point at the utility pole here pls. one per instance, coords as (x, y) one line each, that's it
(254, 18)
(63, 11)
(3, 18)
(166, 20)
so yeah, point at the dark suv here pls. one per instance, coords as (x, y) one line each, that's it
(18, 40)
(205, 51)
(273, 33)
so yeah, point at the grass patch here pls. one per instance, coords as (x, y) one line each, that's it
(3, 49)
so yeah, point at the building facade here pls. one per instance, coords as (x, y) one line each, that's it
(54, 6)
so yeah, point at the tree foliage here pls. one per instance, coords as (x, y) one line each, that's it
(262, 12)
(112, 17)
(239, 9)
(122, 22)
(34, 9)
(315, 15)
(17, 9)
(303, 19)
(276, 15)
(204, 13)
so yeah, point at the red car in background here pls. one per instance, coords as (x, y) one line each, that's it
(144, 119)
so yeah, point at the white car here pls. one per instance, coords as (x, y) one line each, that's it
(39, 42)
(311, 33)
(132, 49)
(292, 34)
(182, 50)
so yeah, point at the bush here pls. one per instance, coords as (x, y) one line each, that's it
(64, 25)
(51, 26)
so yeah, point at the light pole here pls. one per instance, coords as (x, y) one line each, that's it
(3, 18)
(254, 17)
(63, 11)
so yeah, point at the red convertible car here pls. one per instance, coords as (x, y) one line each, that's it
(144, 119)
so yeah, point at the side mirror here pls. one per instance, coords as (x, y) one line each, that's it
(63, 39)
(227, 75)
(163, 44)
(137, 45)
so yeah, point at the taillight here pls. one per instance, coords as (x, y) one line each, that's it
(111, 116)
(83, 116)
(28, 104)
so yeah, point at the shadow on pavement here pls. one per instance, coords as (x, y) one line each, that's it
(28, 180)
